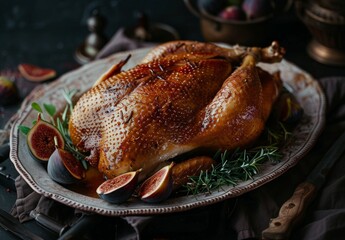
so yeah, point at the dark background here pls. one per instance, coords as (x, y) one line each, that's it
(47, 33)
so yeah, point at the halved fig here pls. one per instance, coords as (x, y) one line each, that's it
(64, 168)
(36, 73)
(40, 140)
(158, 187)
(119, 189)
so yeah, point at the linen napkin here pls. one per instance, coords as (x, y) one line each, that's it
(120, 42)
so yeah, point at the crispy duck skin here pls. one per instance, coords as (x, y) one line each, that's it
(183, 96)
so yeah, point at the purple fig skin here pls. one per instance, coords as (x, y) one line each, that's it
(58, 172)
(232, 13)
(8, 92)
(111, 193)
(289, 110)
(295, 116)
(162, 192)
(256, 8)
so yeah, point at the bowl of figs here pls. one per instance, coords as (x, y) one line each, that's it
(243, 22)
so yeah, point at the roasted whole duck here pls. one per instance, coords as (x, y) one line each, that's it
(184, 96)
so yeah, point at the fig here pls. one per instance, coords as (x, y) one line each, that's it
(256, 8)
(8, 91)
(40, 140)
(287, 109)
(64, 168)
(36, 73)
(158, 187)
(290, 109)
(232, 13)
(119, 189)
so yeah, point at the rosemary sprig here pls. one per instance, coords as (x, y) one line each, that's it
(240, 165)
(277, 134)
(62, 125)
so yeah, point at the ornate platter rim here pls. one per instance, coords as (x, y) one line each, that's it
(307, 91)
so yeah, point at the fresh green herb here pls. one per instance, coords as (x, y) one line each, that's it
(277, 134)
(60, 122)
(51, 109)
(24, 129)
(37, 107)
(62, 125)
(68, 95)
(239, 165)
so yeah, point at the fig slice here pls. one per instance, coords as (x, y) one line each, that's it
(119, 189)
(64, 168)
(40, 140)
(35, 73)
(158, 187)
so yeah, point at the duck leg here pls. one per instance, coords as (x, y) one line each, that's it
(237, 114)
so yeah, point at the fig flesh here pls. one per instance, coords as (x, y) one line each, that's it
(64, 168)
(158, 187)
(35, 73)
(40, 140)
(119, 189)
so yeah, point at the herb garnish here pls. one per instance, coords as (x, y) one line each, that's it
(60, 122)
(239, 165)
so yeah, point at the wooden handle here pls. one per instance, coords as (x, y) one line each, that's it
(280, 227)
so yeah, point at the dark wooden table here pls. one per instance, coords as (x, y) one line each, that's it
(51, 43)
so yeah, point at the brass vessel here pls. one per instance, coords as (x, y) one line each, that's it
(216, 29)
(326, 22)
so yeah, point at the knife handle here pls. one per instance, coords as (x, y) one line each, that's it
(291, 211)
(49, 223)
